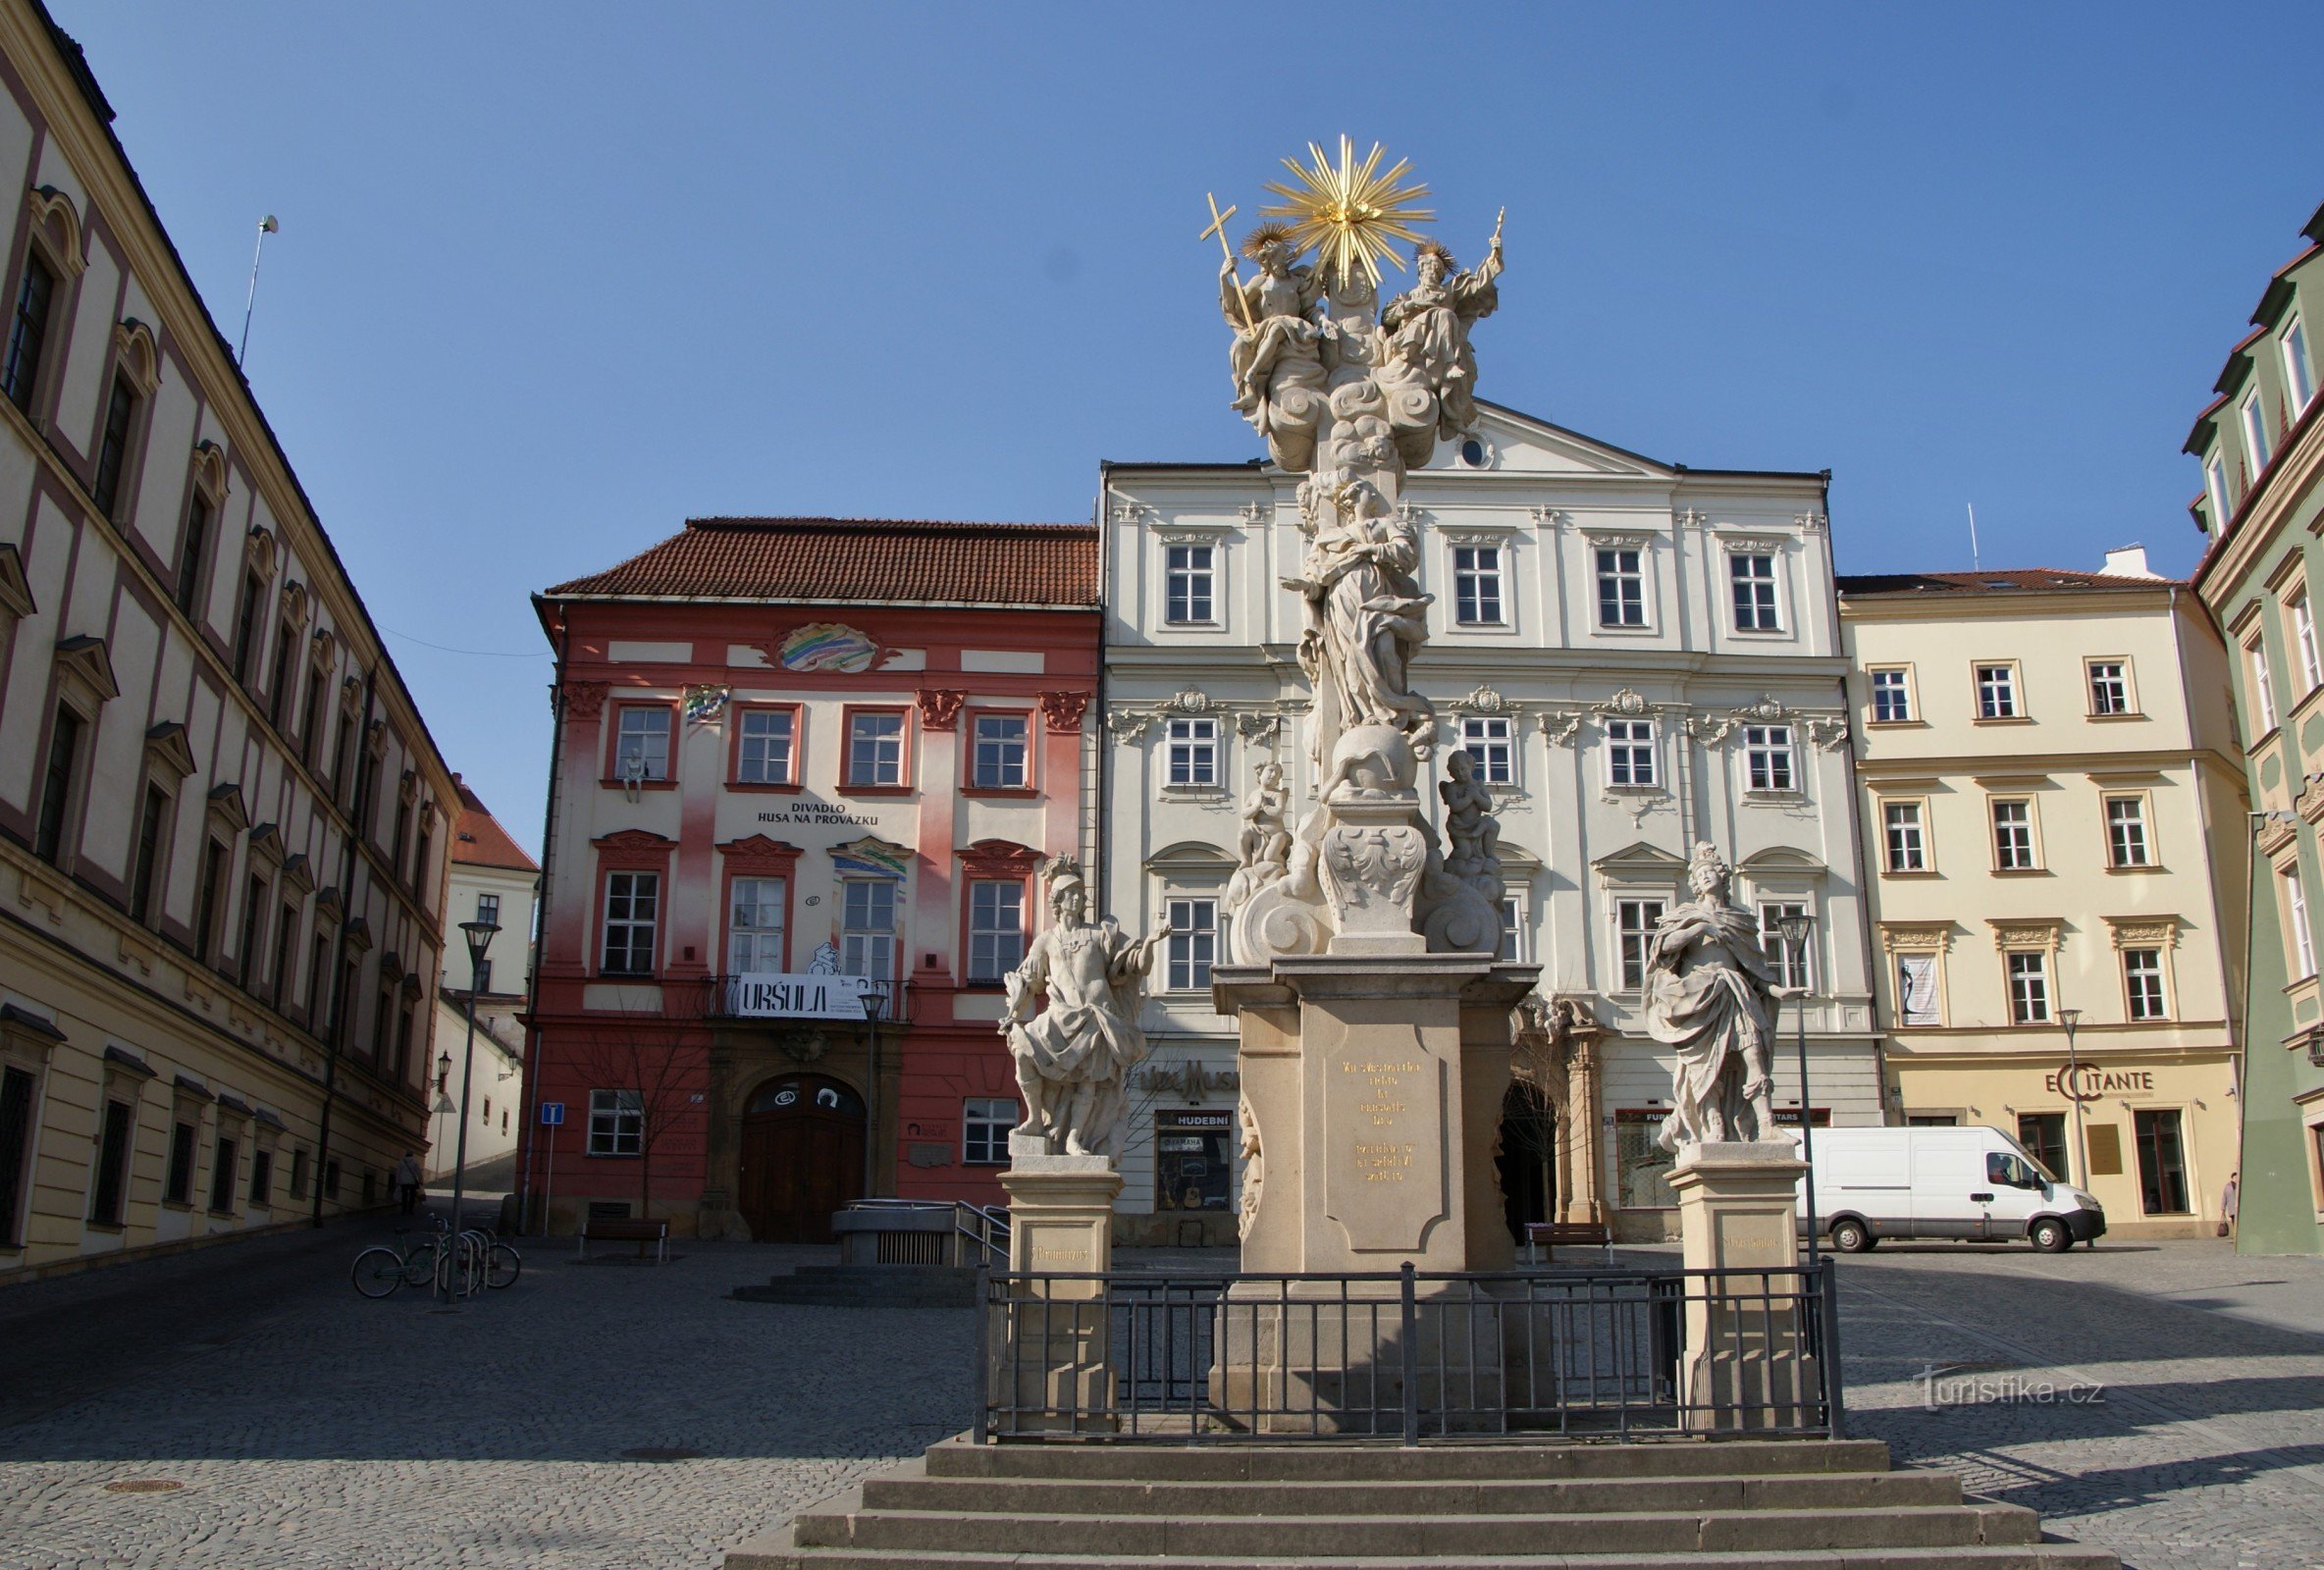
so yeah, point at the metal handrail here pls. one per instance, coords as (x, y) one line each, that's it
(990, 1238)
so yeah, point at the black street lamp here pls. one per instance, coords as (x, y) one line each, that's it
(872, 1000)
(480, 938)
(2070, 1018)
(1794, 928)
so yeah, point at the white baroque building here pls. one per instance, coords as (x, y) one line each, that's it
(1639, 655)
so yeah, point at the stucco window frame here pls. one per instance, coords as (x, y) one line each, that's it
(630, 851)
(1504, 543)
(756, 856)
(1513, 742)
(789, 786)
(133, 359)
(996, 861)
(1998, 797)
(122, 1076)
(1917, 940)
(907, 749)
(1778, 554)
(1912, 698)
(1795, 756)
(1620, 890)
(2251, 428)
(2040, 935)
(28, 1043)
(55, 233)
(2108, 794)
(1650, 598)
(1034, 780)
(1222, 763)
(2129, 688)
(2161, 936)
(2021, 713)
(1925, 822)
(618, 706)
(1213, 540)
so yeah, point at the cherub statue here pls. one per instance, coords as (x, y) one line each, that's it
(1074, 1055)
(1469, 825)
(1711, 997)
(1265, 847)
(1428, 327)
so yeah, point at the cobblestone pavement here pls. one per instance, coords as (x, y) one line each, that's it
(314, 1430)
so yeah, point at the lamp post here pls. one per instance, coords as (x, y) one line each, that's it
(871, 999)
(1794, 927)
(2070, 1018)
(480, 938)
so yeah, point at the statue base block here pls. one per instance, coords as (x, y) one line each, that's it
(1049, 1350)
(1748, 1362)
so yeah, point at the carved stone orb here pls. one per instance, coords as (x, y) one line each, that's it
(1372, 761)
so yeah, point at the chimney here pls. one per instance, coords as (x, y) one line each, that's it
(2127, 561)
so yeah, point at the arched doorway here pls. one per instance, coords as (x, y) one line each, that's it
(802, 1158)
(1528, 1157)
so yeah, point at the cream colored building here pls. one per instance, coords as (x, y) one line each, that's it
(2049, 778)
(222, 822)
(490, 880)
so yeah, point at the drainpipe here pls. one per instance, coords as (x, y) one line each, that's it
(357, 815)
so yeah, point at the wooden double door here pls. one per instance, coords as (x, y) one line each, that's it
(802, 1158)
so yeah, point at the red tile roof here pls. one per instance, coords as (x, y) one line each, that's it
(860, 559)
(479, 840)
(2011, 579)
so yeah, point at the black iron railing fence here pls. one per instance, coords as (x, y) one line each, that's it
(1409, 1356)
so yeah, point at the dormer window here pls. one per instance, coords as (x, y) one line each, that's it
(2215, 483)
(2253, 419)
(2298, 377)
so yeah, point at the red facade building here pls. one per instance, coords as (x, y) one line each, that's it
(802, 766)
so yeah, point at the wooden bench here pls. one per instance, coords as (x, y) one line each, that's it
(1541, 1236)
(625, 1229)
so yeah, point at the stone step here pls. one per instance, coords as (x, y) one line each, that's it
(900, 1491)
(1385, 1461)
(777, 1551)
(844, 1523)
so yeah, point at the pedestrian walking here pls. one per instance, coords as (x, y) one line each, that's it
(2230, 1198)
(407, 1182)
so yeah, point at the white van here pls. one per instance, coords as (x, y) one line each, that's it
(1974, 1183)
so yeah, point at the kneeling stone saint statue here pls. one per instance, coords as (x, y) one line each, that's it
(1710, 996)
(1075, 1053)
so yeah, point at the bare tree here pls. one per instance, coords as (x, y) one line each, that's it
(643, 1061)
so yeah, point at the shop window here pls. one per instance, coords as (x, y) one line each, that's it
(1642, 1166)
(1192, 1167)
(2162, 1162)
(2044, 1135)
(984, 1125)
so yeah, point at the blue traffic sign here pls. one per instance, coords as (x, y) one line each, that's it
(553, 1114)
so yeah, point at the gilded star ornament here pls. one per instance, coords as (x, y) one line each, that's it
(1350, 212)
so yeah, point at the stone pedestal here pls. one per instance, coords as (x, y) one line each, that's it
(1747, 1354)
(1049, 1350)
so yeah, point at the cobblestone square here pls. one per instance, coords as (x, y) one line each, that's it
(313, 1430)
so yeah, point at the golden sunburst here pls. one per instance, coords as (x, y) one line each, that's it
(1349, 214)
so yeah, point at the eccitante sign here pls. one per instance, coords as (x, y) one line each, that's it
(777, 996)
(2090, 1082)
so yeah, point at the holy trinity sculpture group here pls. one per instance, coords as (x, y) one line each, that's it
(1351, 394)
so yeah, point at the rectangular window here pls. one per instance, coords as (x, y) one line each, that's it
(2215, 484)
(1634, 923)
(311, 717)
(1513, 932)
(56, 785)
(633, 907)
(1752, 578)
(1630, 752)
(1000, 752)
(1621, 589)
(406, 1019)
(1917, 1002)
(484, 976)
(617, 1123)
(402, 837)
(2304, 638)
(867, 927)
(177, 1187)
(754, 926)
(279, 976)
(298, 1173)
(1996, 692)
(767, 747)
(984, 1125)
(2044, 1135)
(2299, 376)
(1491, 744)
(1192, 1168)
(1892, 698)
(2029, 989)
(876, 750)
(245, 626)
(2303, 944)
(262, 1178)
(1768, 756)
(1194, 944)
(27, 332)
(211, 895)
(2013, 836)
(1642, 1166)
(1788, 960)
(2263, 686)
(2252, 418)
(113, 447)
(224, 1168)
(2126, 831)
(1476, 585)
(318, 955)
(189, 553)
(2142, 981)
(2162, 1161)
(111, 1194)
(1194, 751)
(1187, 582)
(2110, 687)
(640, 747)
(246, 957)
(997, 928)
(278, 695)
(1908, 848)
(16, 1150)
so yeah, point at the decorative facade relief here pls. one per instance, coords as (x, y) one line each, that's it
(1062, 710)
(939, 709)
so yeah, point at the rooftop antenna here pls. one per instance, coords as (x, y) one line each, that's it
(1975, 563)
(266, 226)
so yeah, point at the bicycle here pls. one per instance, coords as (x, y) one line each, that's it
(377, 1272)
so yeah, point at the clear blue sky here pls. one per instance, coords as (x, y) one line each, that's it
(552, 278)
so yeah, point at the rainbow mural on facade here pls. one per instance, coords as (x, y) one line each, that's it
(827, 646)
(869, 857)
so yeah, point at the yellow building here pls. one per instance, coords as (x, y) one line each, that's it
(2049, 777)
